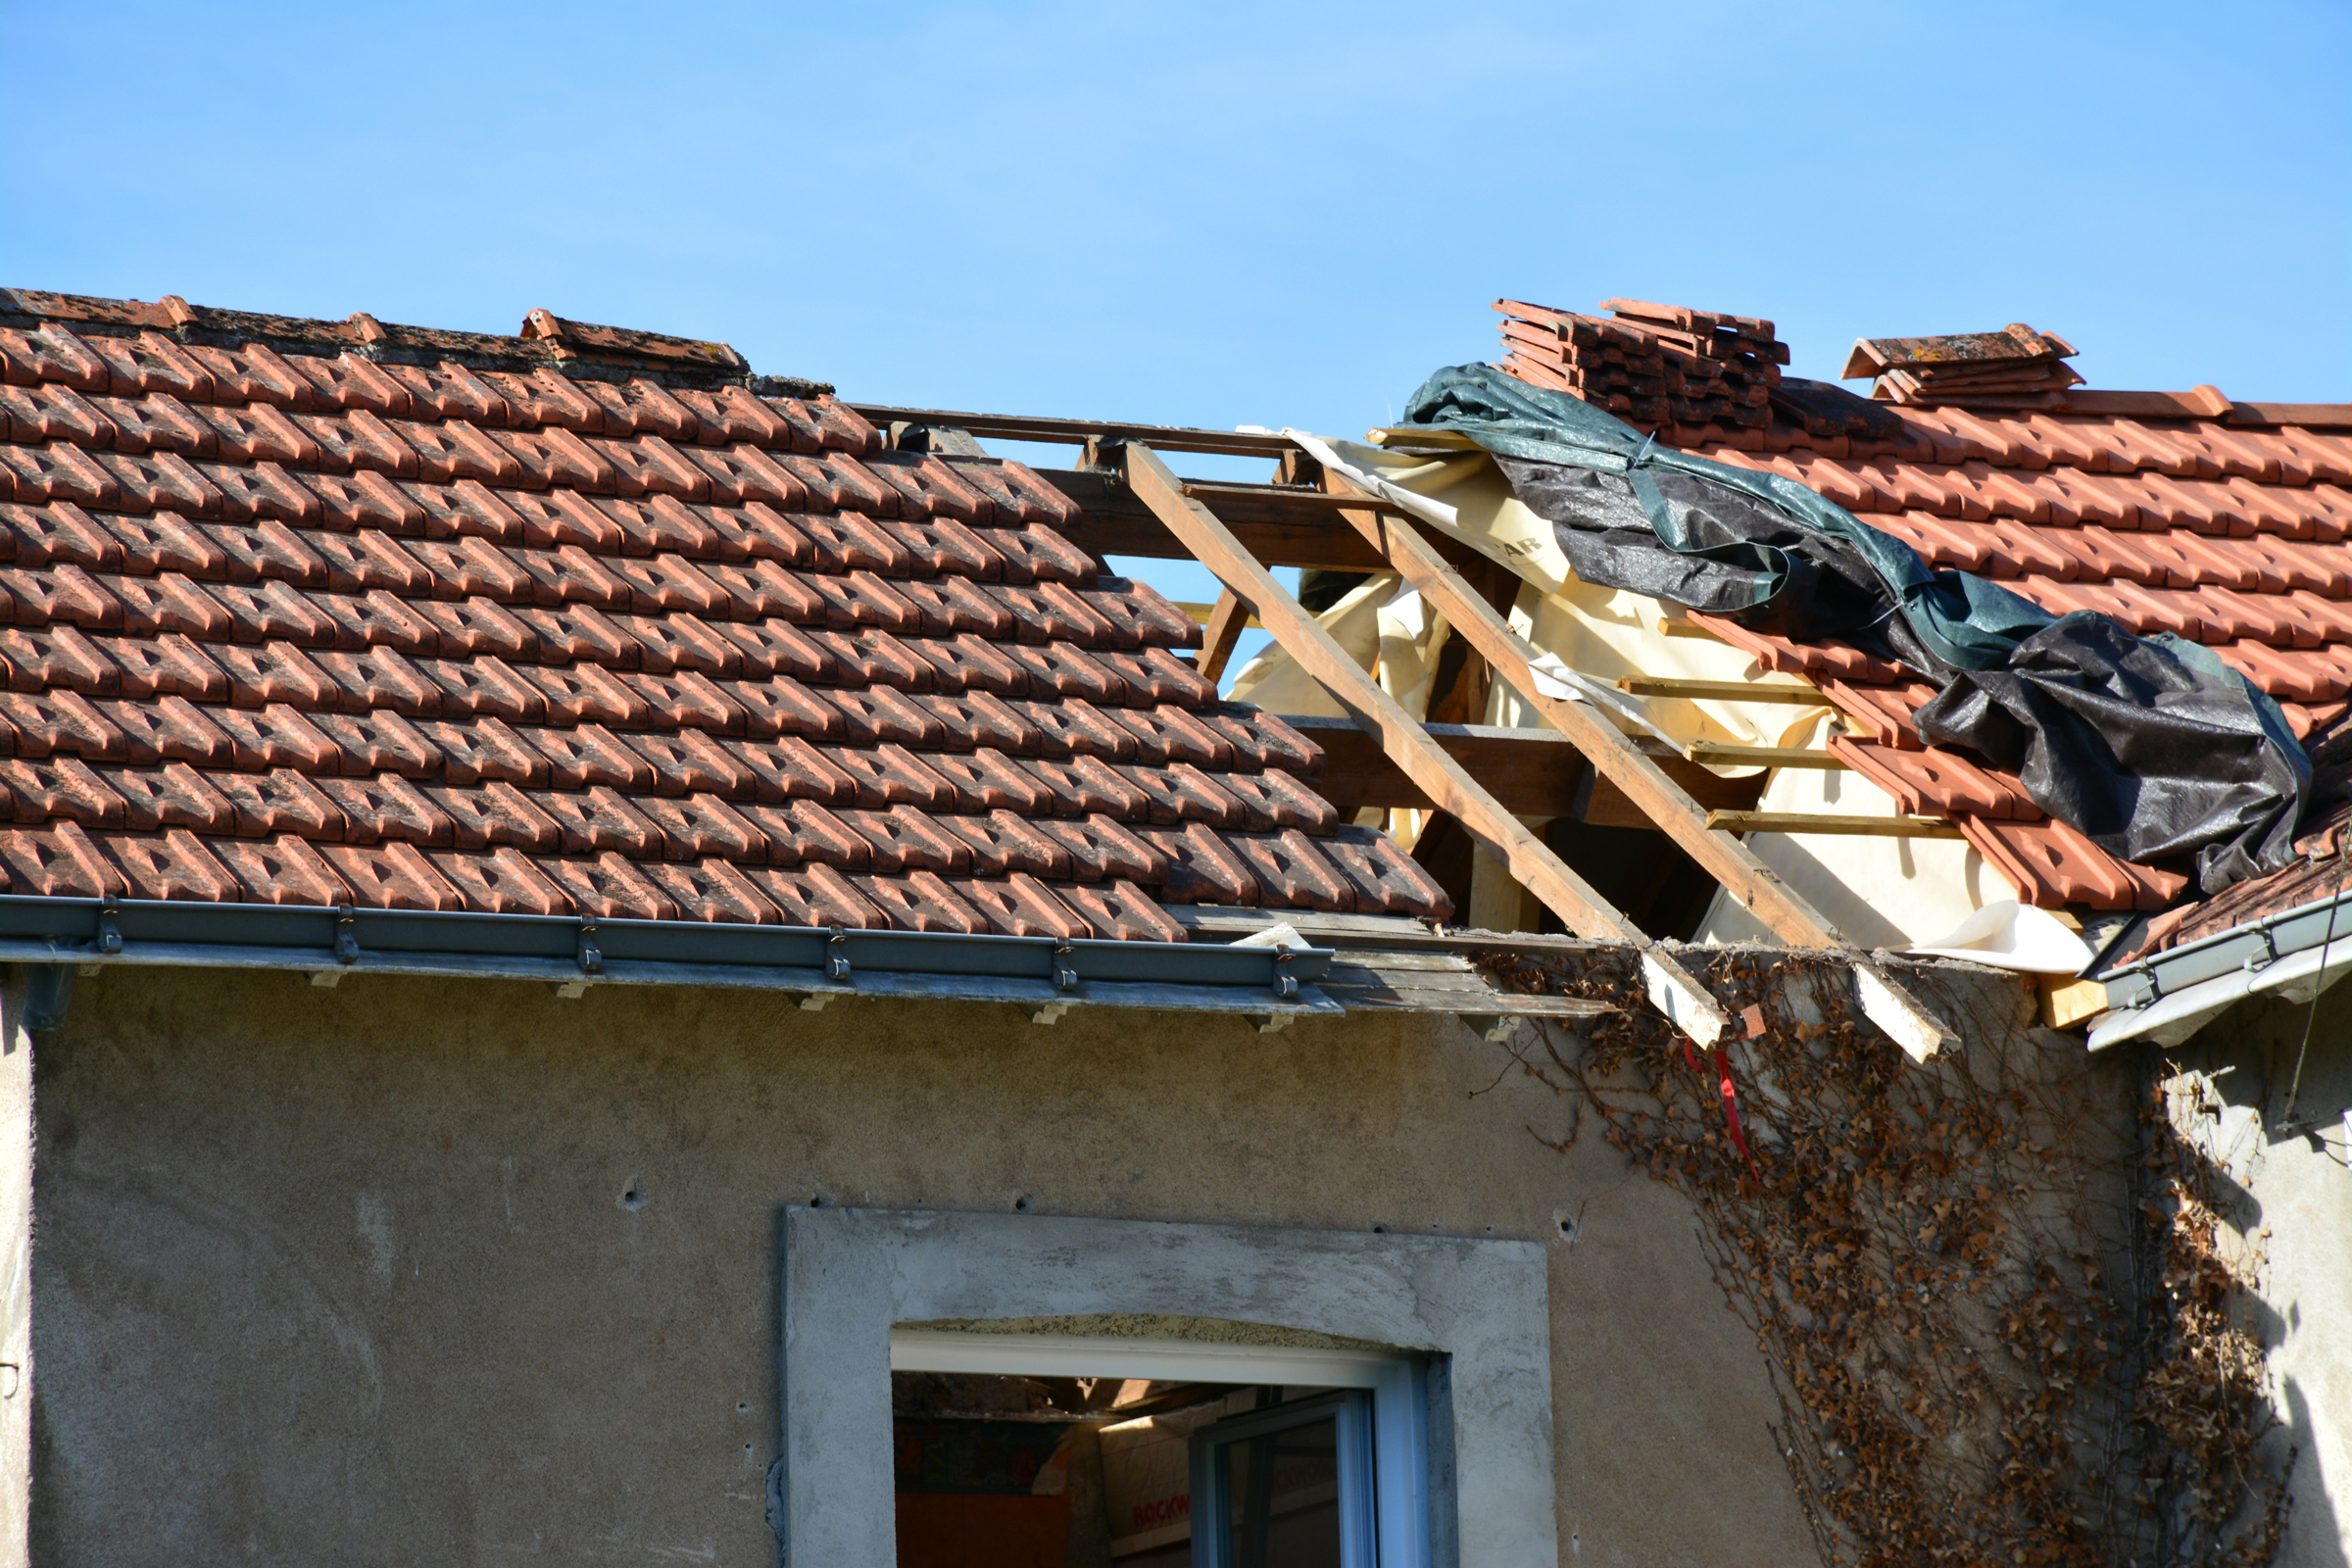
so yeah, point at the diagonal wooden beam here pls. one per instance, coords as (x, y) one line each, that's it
(1760, 889)
(1531, 861)
(1226, 624)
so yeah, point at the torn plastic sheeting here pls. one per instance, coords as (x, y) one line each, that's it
(2149, 748)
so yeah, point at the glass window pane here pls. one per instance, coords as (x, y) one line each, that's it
(1282, 1491)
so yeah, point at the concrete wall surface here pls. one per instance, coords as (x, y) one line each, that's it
(16, 1278)
(417, 1271)
(2295, 1202)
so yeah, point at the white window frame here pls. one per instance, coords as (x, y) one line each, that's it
(1357, 1492)
(1460, 1385)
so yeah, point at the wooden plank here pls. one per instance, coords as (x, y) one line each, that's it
(1534, 773)
(1721, 690)
(1077, 432)
(1426, 964)
(1275, 527)
(1427, 437)
(1445, 781)
(1226, 624)
(1479, 1003)
(1760, 756)
(1757, 888)
(1225, 496)
(1682, 626)
(1876, 827)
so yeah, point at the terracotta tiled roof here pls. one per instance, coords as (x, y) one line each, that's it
(590, 621)
(2222, 521)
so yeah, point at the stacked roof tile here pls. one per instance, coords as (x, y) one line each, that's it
(590, 621)
(2225, 522)
(2016, 366)
(1648, 363)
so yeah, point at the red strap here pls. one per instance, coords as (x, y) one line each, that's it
(1731, 1110)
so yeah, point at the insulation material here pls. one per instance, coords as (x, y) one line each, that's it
(1881, 892)
(1274, 682)
(1602, 633)
(1147, 1474)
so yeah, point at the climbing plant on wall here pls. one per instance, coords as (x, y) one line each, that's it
(1989, 1287)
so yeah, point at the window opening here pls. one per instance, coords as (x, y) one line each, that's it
(1013, 1471)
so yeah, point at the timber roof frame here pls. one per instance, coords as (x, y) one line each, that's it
(1132, 504)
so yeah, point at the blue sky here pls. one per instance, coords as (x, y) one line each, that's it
(1204, 213)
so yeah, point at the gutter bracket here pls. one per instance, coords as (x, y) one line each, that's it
(837, 956)
(347, 938)
(591, 958)
(2256, 963)
(110, 935)
(1286, 984)
(1066, 978)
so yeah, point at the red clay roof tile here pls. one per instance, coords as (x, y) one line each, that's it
(1002, 843)
(286, 870)
(496, 814)
(1020, 906)
(60, 861)
(60, 787)
(1118, 911)
(415, 595)
(606, 887)
(920, 901)
(173, 865)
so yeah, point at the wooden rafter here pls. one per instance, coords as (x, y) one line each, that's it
(1760, 889)
(1529, 861)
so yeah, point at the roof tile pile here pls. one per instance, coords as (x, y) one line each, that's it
(2014, 367)
(1649, 363)
(2225, 522)
(586, 622)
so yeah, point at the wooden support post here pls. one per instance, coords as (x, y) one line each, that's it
(1225, 626)
(1756, 885)
(1532, 863)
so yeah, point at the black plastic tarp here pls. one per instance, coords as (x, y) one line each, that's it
(2151, 747)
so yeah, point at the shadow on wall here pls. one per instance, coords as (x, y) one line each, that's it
(2278, 1170)
(2314, 1536)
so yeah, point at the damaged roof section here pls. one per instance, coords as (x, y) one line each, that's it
(2189, 512)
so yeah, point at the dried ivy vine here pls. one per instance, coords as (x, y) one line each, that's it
(1991, 1289)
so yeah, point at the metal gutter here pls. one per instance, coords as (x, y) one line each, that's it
(2248, 948)
(1270, 984)
(2172, 1018)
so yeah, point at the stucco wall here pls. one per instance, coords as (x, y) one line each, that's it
(465, 1273)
